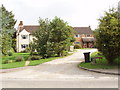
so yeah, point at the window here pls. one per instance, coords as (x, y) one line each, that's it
(83, 35)
(88, 35)
(24, 45)
(77, 42)
(24, 36)
(77, 35)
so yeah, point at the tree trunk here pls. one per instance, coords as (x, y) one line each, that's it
(110, 61)
(59, 54)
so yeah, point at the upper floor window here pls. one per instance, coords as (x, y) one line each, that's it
(24, 36)
(88, 35)
(77, 35)
(24, 45)
(83, 35)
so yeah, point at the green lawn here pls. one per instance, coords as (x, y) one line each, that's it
(25, 55)
(37, 62)
(98, 66)
(101, 63)
(13, 64)
(22, 63)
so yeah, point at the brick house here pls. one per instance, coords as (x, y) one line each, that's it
(84, 37)
(24, 36)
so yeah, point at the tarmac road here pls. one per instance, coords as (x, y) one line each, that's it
(59, 73)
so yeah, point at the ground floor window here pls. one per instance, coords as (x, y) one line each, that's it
(24, 45)
(88, 44)
(77, 42)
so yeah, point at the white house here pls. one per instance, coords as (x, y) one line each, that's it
(24, 36)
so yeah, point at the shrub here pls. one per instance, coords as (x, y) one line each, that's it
(7, 61)
(117, 60)
(19, 59)
(24, 51)
(100, 54)
(34, 53)
(27, 49)
(10, 54)
(64, 53)
(77, 46)
(34, 58)
(107, 38)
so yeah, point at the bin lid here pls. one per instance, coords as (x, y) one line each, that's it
(86, 52)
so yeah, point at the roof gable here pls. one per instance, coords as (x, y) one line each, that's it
(24, 32)
(30, 28)
(83, 30)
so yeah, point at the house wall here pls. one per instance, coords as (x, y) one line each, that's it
(79, 39)
(21, 41)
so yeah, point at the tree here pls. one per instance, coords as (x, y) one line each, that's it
(42, 37)
(53, 37)
(61, 35)
(7, 29)
(108, 37)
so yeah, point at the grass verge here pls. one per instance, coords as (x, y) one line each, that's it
(13, 57)
(22, 63)
(101, 63)
(37, 62)
(98, 66)
(12, 65)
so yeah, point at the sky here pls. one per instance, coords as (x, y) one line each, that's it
(78, 13)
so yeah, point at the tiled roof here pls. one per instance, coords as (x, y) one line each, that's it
(83, 30)
(30, 28)
(79, 30)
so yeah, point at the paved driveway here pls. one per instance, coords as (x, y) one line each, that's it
(59, 73)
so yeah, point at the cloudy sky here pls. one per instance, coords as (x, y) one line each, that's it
(79, 13)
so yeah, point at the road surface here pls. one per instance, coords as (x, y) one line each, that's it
(59, 73)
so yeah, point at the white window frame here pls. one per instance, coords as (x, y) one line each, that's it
(24, 36)
(83, 35)
(77, 35)
(24, 45)
(89, 35)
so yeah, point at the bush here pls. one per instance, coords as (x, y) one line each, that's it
(19, 59)
(107, 40)
(100, 54)
(77, 46)
(34, 58)
(7, 61)
(117, 60)
(34, 53)
(10, 54)
(64, 53)
(24, 51)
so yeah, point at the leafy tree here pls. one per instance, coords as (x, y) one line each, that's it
(61, 35)
(108, 37)
(53, 37)
(42, 37)
(7, 29)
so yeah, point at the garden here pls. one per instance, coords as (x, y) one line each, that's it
(107, 42)
(100, 62)
(19, 60)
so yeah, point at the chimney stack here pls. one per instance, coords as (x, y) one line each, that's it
(20, 26)
(21, 23)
